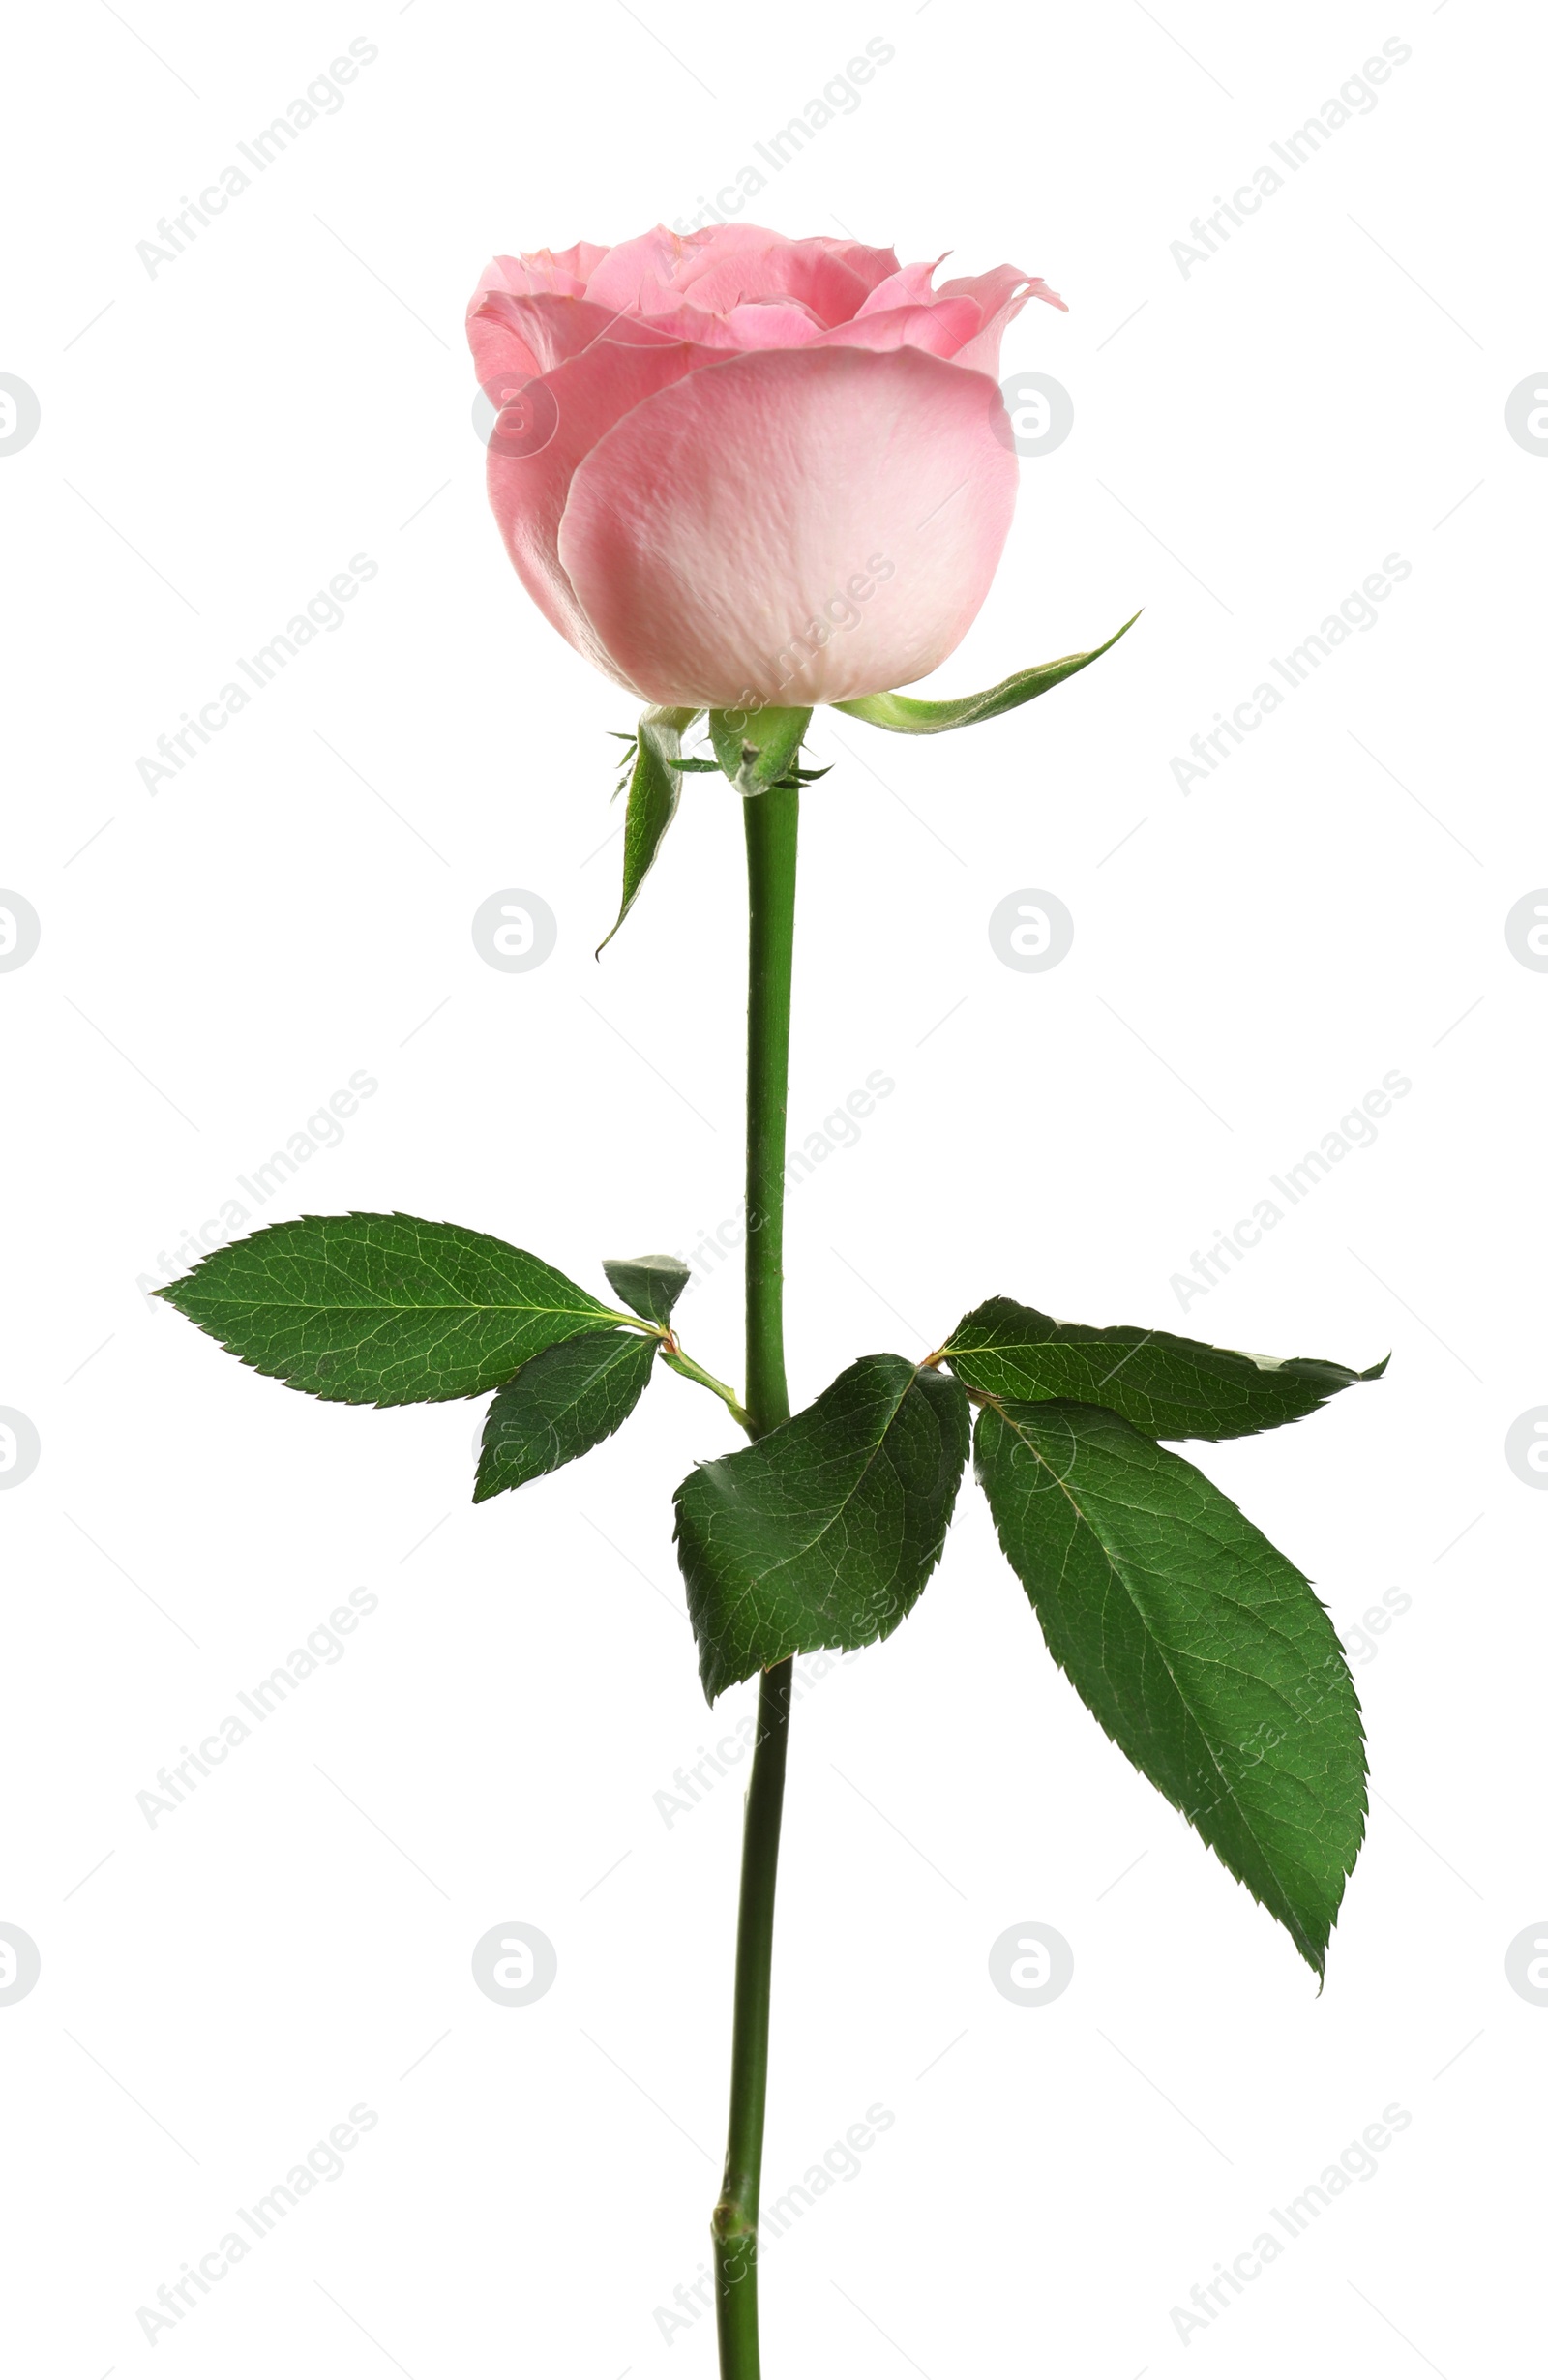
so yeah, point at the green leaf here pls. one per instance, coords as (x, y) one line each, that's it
(823, 1533)
(1200, 1651)
(654, 787)
(755, 748)
(1168, 1386)
(648, 1285)
(906, 716)
(382, 1309)
(560, 1404)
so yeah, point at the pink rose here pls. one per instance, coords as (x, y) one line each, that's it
(738, 467)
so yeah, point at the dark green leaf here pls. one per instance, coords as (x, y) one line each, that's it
(654, 787)
(823, 1533)
(648, 1285)
(1202, 1652)
(906, 716)
(755, 748)
(1171, 1388)
(382, 1309)
(561, 1404)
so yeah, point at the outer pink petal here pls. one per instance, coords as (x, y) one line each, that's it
(514, 339)
(503, 358)
(943, 328)
(908, 285)
(553, 272)
(581, 260)
(1002, 294)
(527, 493)
(1001, 286)
(712, 537)
(872, 265)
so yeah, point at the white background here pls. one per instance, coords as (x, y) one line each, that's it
(1251, 439)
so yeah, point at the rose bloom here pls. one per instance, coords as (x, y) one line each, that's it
(735, 466)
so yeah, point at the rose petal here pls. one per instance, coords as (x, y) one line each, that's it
(872, 265)
(908, 285)
(1000, 285)
(805, 270)
(639, 274)
(513, 337)
(720, 241)
(544, 271)
(527, 493)
(943, 328)
(772, 323)
(1002, 294)
(694, 546)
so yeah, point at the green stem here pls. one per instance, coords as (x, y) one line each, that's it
(734, 2224)
(771, 819)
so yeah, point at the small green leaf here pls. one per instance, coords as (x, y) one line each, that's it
(560, 1404)
(1200, 1651)
(382, 1309)
(654, 787)
(823, 1533)
(648, 1285)
(906, 716)
(1168, 1386)
(755, 748)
